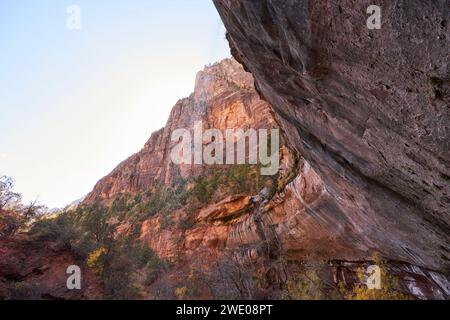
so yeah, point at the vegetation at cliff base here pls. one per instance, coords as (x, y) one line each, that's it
(389, 285)
(118, 259)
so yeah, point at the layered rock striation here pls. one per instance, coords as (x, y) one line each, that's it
(321, 207)
(368, 110)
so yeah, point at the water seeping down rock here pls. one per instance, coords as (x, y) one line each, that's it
(368, 110)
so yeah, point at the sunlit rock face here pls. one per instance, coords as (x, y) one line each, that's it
(368, 110)
(224, 98)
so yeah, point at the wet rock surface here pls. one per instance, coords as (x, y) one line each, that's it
(368, 110)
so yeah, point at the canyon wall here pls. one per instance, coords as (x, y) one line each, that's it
(368, 110)
(224, 98)
(305, 215)
(364, 157)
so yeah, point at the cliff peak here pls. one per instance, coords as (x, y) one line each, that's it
(224, 97)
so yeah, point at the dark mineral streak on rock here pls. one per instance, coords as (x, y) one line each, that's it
(368, 109)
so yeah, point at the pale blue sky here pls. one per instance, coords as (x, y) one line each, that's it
(73, 104)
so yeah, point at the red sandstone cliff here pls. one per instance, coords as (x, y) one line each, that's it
(368, 110)
(328, 206)
(224, 98)
(365, 162)
(335, 220)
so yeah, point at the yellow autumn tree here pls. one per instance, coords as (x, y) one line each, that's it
(95, 261)
(181, 293)
(389, 285)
